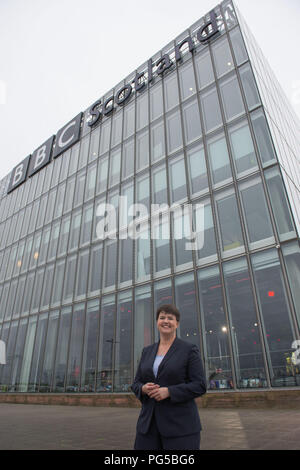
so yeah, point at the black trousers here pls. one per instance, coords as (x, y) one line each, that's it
(153, 440)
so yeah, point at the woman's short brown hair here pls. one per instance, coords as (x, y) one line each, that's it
(168, 309)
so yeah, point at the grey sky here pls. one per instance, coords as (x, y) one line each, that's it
(59, 56)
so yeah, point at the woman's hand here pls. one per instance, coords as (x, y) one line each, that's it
(160, 393)
(149, 388)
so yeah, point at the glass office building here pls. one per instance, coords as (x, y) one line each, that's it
(207, 124)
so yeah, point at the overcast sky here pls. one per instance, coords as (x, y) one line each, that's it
(59, 56)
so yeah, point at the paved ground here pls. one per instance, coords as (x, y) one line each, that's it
(41, 427)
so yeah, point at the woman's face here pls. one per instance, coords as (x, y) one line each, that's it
(167, 323)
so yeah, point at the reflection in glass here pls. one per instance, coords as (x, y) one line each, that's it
(222, 56)
(291, 254)
(76, 340)
(187, 80)
(281, 210)
(197, 170)
(211, 110)
(191, 121)
(229, 222)
(232, 98)
(216, 329)
(219, 160)
(263, 138)
(142, 322)
(238, 46)
(174, 132)
(27, 355)
(242, 149)
(185, 295)
(157, 141)
(106, 344)
(256, 212)
(178, 190)
(246, 341)
(204, 70)
(276, 318)
(122, 364)
(37, 355)
(89, 356)
(60, 369)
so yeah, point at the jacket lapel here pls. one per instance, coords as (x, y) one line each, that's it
(152, 357)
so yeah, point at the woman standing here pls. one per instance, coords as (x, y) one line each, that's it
(169, 377)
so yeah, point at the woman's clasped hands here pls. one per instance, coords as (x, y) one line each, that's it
(155, 391)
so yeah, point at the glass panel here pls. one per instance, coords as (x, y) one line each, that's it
(62, 350)
(181, 230)
(174, 134)
(76, 343)
(110, 263)
(18, 356)
(185, 295)
(95, 269)
(125, 260)
(82, 274)
(204, 227)
(10, 347)
(222, 56)
(116, 129)
(142, 111)
(232, 98)
(250, 88)
(204, 70)
(276, 318)
(27, 293)
(84, 150)
(37, 355)
(64, 235)
(159, 181)
(142, 150)
(291, 254)
(280, 207)
(47, 287)
(178, 190)
(229, 223)
(102, 175)
(122, 367)
(142, 322)
(49, 355)
(59, 201)
(69, 278)
(238, 46)
(256, 212)
(105, 137)
(27, 356)
(86, 227)
(157, 141)
(90, 182)
(219, 160)
(58, 282)
(129, 120)
(94, 145)
(143, 265)
(53, 241)
(161, 246)
(128, 159)
(74, 159)
(191, 120)
(156, 101)
(246, 341)
(143, 190)
(242, 149)
(211, 110)
(89, 358)
(106, 344)
(115, 165)
(263, 138)
(216, 329)
(187, 81)
(36, 294)
(171, 92)
(197, 170)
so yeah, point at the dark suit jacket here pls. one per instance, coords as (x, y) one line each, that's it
(182, 372)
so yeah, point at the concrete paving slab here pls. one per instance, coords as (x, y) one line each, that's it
(46, 427)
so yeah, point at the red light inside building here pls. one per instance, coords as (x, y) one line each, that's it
(271, 293)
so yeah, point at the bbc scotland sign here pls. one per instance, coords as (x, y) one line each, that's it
(70, 133)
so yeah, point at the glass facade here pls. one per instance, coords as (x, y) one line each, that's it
(77, 310)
